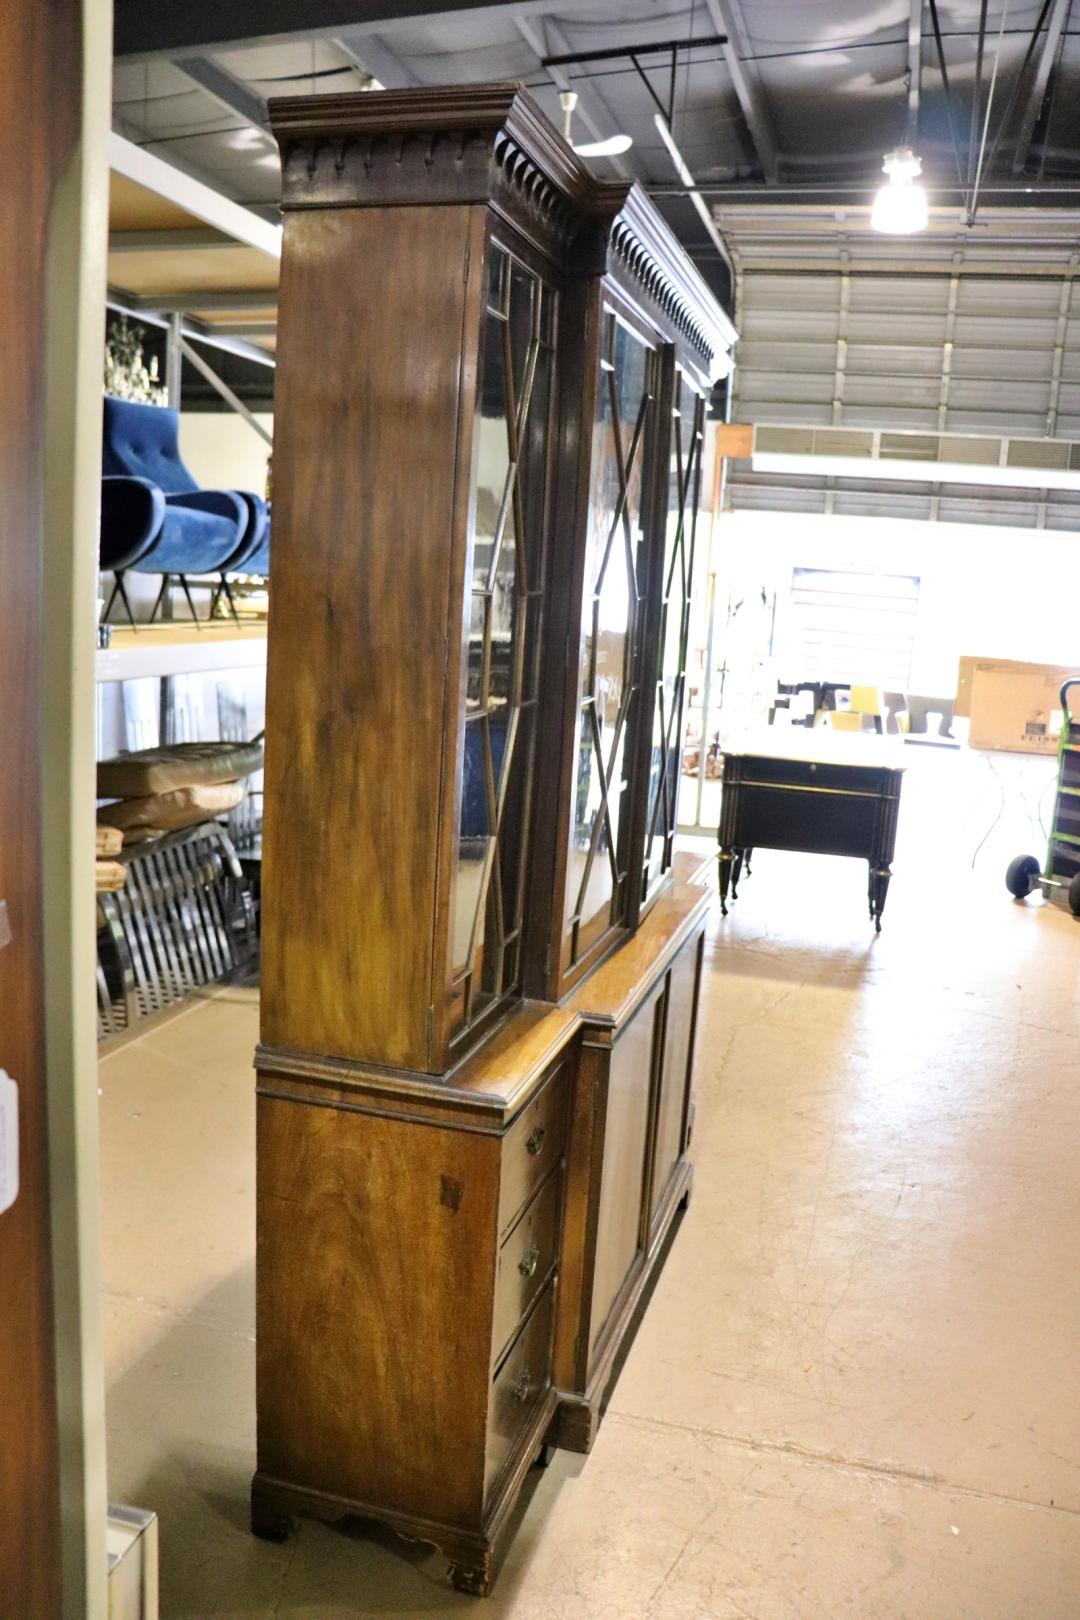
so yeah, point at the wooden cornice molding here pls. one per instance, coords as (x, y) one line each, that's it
(627, 229)
(491, 144)
(480, 143)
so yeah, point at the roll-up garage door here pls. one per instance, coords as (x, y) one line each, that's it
(932, 353)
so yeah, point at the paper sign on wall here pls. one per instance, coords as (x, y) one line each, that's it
(9, 1141)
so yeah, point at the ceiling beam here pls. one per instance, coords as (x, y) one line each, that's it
(1055, 24)
(226, 89)
(373, 55)
(133, 132)
(220, 386)
(591, 109)
(663, 129)
(727, 19)
(172, 241)
(155, 313)
(241, 329)
(914, 72)
(144, 32)
(211, 300)
(202, 201)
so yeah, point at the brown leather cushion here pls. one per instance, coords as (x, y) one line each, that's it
(179, 765)
(111, 876)
(165, 812)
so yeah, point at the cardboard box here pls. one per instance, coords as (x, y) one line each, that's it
(1015, 707)
(966, 675)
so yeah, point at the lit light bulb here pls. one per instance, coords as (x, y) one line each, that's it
(900, 207)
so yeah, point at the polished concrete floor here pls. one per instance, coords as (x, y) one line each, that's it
(856, 1391)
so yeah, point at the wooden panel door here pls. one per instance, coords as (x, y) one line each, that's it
(674, 1087)
(40, 71)
(626, 1140)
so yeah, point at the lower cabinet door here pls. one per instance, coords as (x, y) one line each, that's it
(626, 1140)
(675, 1070)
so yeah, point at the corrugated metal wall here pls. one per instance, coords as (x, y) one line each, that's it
(960, 353)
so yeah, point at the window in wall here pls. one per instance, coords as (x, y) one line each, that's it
(505, 582)
(608, 649)
(852, 627)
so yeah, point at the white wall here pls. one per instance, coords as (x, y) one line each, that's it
(222, 451)
(990, 592)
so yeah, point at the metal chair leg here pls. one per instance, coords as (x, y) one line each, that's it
(112, 599)
(231, 600)
(190, 602)
(160, 596)
(122, 588)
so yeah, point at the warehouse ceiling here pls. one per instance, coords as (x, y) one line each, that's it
(782, 110)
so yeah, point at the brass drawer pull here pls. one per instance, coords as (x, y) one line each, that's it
(520, 1390)
(529, 1261)
(536, 1139)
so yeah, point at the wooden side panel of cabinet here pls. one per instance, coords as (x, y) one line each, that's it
(376, 364)
(376, 1244)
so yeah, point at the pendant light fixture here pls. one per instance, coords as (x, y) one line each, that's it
(612, 147)
(900, 206)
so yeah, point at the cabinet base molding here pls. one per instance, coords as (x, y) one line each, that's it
(471, 1552)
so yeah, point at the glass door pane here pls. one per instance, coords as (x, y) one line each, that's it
(505, 581)
(684, 480)
(609, 645)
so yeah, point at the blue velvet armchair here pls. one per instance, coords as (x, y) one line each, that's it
(202, 531)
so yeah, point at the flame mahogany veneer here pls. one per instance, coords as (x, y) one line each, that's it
(481, 955)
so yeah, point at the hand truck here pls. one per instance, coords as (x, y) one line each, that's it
(1060, 880)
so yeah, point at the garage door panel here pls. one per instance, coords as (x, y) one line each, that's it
(1003, 365)
(920, 418)
(889, 394)
(1026, 331)
(765, 386)
(895, 372)
(765, 354)
(893, 360)
(920, 326)
(889, 295)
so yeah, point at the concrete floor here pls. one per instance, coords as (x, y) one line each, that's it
(855, 1393)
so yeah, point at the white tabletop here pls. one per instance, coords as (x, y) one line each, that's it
(819, 746)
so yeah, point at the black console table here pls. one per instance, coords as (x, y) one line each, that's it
(819, 793)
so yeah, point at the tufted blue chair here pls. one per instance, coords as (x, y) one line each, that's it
(203, 531)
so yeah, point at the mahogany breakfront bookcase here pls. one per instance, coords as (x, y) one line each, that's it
(480, 955)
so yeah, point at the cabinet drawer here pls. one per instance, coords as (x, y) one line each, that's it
(525, 1261)
(520, 1383)
(875, 780)
(533, 1144)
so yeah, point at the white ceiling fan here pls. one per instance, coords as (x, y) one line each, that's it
(590, 149)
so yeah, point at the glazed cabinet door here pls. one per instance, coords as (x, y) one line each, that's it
(619, 1229)
(670, 639)
(504, 586)
(674, 1079)
(605, 651)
